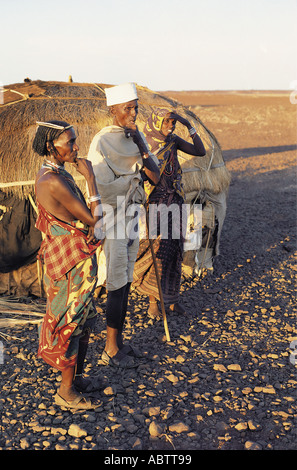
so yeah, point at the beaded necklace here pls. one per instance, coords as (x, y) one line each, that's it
(52, 165)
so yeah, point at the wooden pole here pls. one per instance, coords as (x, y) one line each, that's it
(157, 277)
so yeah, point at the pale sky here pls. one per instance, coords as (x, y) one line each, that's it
(161, 44)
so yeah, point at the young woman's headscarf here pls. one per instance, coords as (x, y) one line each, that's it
(152, 131)
(160, 145)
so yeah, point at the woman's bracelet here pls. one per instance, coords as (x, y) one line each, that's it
(192, 131)
(95, 198)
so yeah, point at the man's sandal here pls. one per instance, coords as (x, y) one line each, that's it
(177, 308)
(88, 385)
(129, 350)
(79, 403)
(119, 360)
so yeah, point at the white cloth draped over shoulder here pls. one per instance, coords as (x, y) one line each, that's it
(116, 163)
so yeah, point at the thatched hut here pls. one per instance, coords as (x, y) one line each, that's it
(83, 105)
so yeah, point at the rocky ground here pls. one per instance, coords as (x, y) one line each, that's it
(226, 380)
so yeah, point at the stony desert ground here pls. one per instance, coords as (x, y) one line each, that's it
(227, 379)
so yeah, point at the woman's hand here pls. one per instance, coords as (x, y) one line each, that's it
(84, 167)
(91, 235)
(180, 119)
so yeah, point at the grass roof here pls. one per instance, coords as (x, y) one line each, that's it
(84, 106)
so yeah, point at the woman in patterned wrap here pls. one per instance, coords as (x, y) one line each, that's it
(168, 245)
(68, 253)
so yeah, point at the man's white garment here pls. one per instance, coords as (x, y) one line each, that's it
(116, 163)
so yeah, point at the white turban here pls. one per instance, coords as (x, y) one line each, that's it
(121, 94)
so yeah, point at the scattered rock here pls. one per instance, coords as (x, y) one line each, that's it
(179, 427)
(172, 378)
(76, 430)
(268, 389)
(234, 367)
(220, 367)
(249, 445)
(252, 426)
(152, 411)
(137, 444)
(241, 426)
(109, 391)
(156, 429)
(24, 444)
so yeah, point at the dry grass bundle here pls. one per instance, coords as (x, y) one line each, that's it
(84, 106)
(16, 313)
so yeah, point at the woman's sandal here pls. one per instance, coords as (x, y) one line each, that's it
(119, 360)
(79, 403)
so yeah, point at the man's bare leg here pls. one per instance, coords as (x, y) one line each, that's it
(111, 346)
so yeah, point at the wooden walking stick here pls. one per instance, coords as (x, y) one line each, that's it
(157, 276)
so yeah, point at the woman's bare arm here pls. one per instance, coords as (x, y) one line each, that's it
(55, 194)
(197, 147)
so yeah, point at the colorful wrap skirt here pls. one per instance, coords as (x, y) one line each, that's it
(70, 310)
(169, 256)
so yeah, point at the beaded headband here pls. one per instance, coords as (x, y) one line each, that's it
(53, 126)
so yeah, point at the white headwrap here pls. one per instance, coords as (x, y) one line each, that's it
(121, 94)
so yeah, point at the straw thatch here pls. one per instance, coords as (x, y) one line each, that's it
(83, 105)
(13, 312)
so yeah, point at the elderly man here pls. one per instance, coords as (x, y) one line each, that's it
(120, 160)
